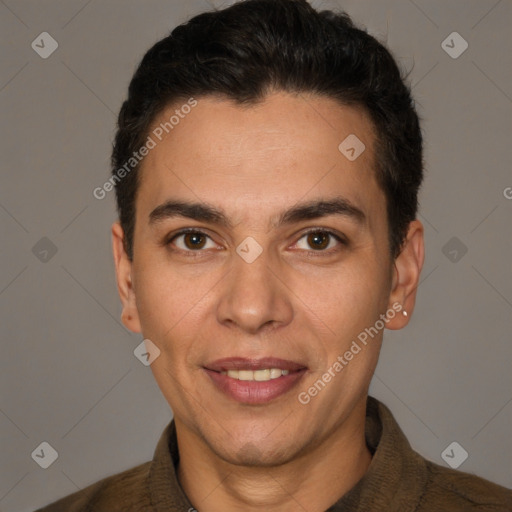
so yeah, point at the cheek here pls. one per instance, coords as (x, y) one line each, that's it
(346, 298)
(168, 304)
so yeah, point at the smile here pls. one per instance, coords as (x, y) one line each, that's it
(254, 381)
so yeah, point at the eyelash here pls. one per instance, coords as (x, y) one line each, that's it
(312, 252)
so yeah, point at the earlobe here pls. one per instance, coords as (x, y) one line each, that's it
(407, 270)
(123, 265)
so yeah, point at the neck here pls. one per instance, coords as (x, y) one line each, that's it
(313, 481)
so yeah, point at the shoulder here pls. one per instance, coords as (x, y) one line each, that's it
(123, 492)
(454, 491)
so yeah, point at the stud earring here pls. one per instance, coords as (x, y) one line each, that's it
(404, 313)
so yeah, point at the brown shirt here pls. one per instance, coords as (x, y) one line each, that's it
(398, 480)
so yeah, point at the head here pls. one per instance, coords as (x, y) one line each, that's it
(243, 112)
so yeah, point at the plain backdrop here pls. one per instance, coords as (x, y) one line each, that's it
(68, 374)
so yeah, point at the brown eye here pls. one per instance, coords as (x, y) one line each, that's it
(194, 240)
(318, 240)
(321, 241)
(191, 241)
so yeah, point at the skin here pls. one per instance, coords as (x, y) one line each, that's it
(295, 301)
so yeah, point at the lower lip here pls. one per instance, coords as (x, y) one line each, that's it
(255, 392)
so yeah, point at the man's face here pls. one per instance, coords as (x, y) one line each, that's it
(211, 302)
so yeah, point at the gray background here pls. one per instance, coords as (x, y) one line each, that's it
(68, 375)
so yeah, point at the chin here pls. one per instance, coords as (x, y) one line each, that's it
(250, 455)
(264, 452)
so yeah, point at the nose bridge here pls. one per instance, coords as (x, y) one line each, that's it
(253, 296)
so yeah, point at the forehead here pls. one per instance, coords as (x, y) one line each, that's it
(279, 151)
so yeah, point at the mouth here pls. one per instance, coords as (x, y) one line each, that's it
(254, 381)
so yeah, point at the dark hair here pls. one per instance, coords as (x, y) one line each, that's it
(256, 46)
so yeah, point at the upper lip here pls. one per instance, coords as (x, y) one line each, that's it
(243, 363)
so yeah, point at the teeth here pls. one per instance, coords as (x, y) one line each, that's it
(262, 375)
(245, 375)
(274, 373)
(258, 375)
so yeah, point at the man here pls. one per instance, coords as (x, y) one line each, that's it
(267, 165)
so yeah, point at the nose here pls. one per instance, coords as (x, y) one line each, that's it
(254, 296)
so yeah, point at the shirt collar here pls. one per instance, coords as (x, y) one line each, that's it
(397, 474)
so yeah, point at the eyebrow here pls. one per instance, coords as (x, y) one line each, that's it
(204, 212)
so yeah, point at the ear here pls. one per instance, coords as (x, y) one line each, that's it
(407, 270)
(130, 315)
